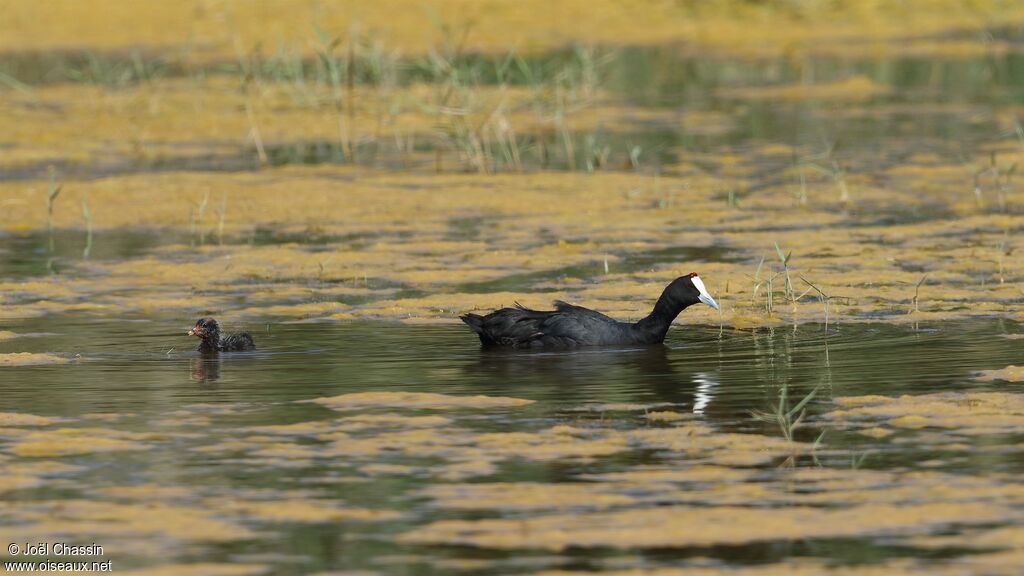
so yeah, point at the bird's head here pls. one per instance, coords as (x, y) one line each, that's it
(205, 328)
(690, 289)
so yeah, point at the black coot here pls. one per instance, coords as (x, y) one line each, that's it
(208, 331)
(569, 326)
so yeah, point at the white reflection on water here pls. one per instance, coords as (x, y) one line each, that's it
(702, 397)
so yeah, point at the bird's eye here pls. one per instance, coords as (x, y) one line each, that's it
(693, 274)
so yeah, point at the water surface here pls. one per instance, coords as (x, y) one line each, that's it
(349, 441)
(199, 439)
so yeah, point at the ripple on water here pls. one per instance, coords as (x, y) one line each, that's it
(335, 429)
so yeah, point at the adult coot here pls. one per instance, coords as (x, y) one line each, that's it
(570, 326)
(208, 331)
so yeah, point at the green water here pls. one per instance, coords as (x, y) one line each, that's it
(196, 427)
(946, 105)
(144, 369)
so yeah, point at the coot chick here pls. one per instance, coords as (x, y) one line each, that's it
(569, 326)
(208, 331)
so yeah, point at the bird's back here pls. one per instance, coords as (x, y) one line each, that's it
(566, 326)
(237, 342)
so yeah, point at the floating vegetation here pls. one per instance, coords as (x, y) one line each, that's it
(20, 419)
(1009, 374)
(200, 569)
(74, 441)
(674, 526)
(345, 179)
(299, 511)
(968, 413)
(416, 400)
(10, 482)
(30, 359)
(607, 470)
(399, 263)
(527, 496)
(852, 88)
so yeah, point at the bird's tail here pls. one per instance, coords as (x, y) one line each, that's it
(474, 321)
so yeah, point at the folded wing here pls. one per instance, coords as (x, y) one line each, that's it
(520, 327)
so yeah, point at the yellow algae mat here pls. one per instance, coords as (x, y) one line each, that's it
(256, 138)
(699, 488)
(387, 249)
(280, 161)
(214, 29)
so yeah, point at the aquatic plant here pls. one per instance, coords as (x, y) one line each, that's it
(250, 74)
(1000, 176)
(221, 211)
(769, 285)
(800, 195)
(825, 299)
(731, 200)
(787, 419)
(478, 109)
(195, 217)
(634, 156)
(784, 260)
(53, 190)
(322, 267)
(857, 460)
(88, 228)
(827, 164)
(337, 69)
(917, 291)
(756, 279)
(13, 83)
(1003, 249)
(667, 194)
(595, 154)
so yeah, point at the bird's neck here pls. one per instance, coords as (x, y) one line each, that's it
(653, 328)
(211, 343)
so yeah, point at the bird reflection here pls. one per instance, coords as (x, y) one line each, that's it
(644, 375)
(705, 391)
(205, 368)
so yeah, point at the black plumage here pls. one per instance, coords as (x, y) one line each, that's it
(569, 326)
(208, 331)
